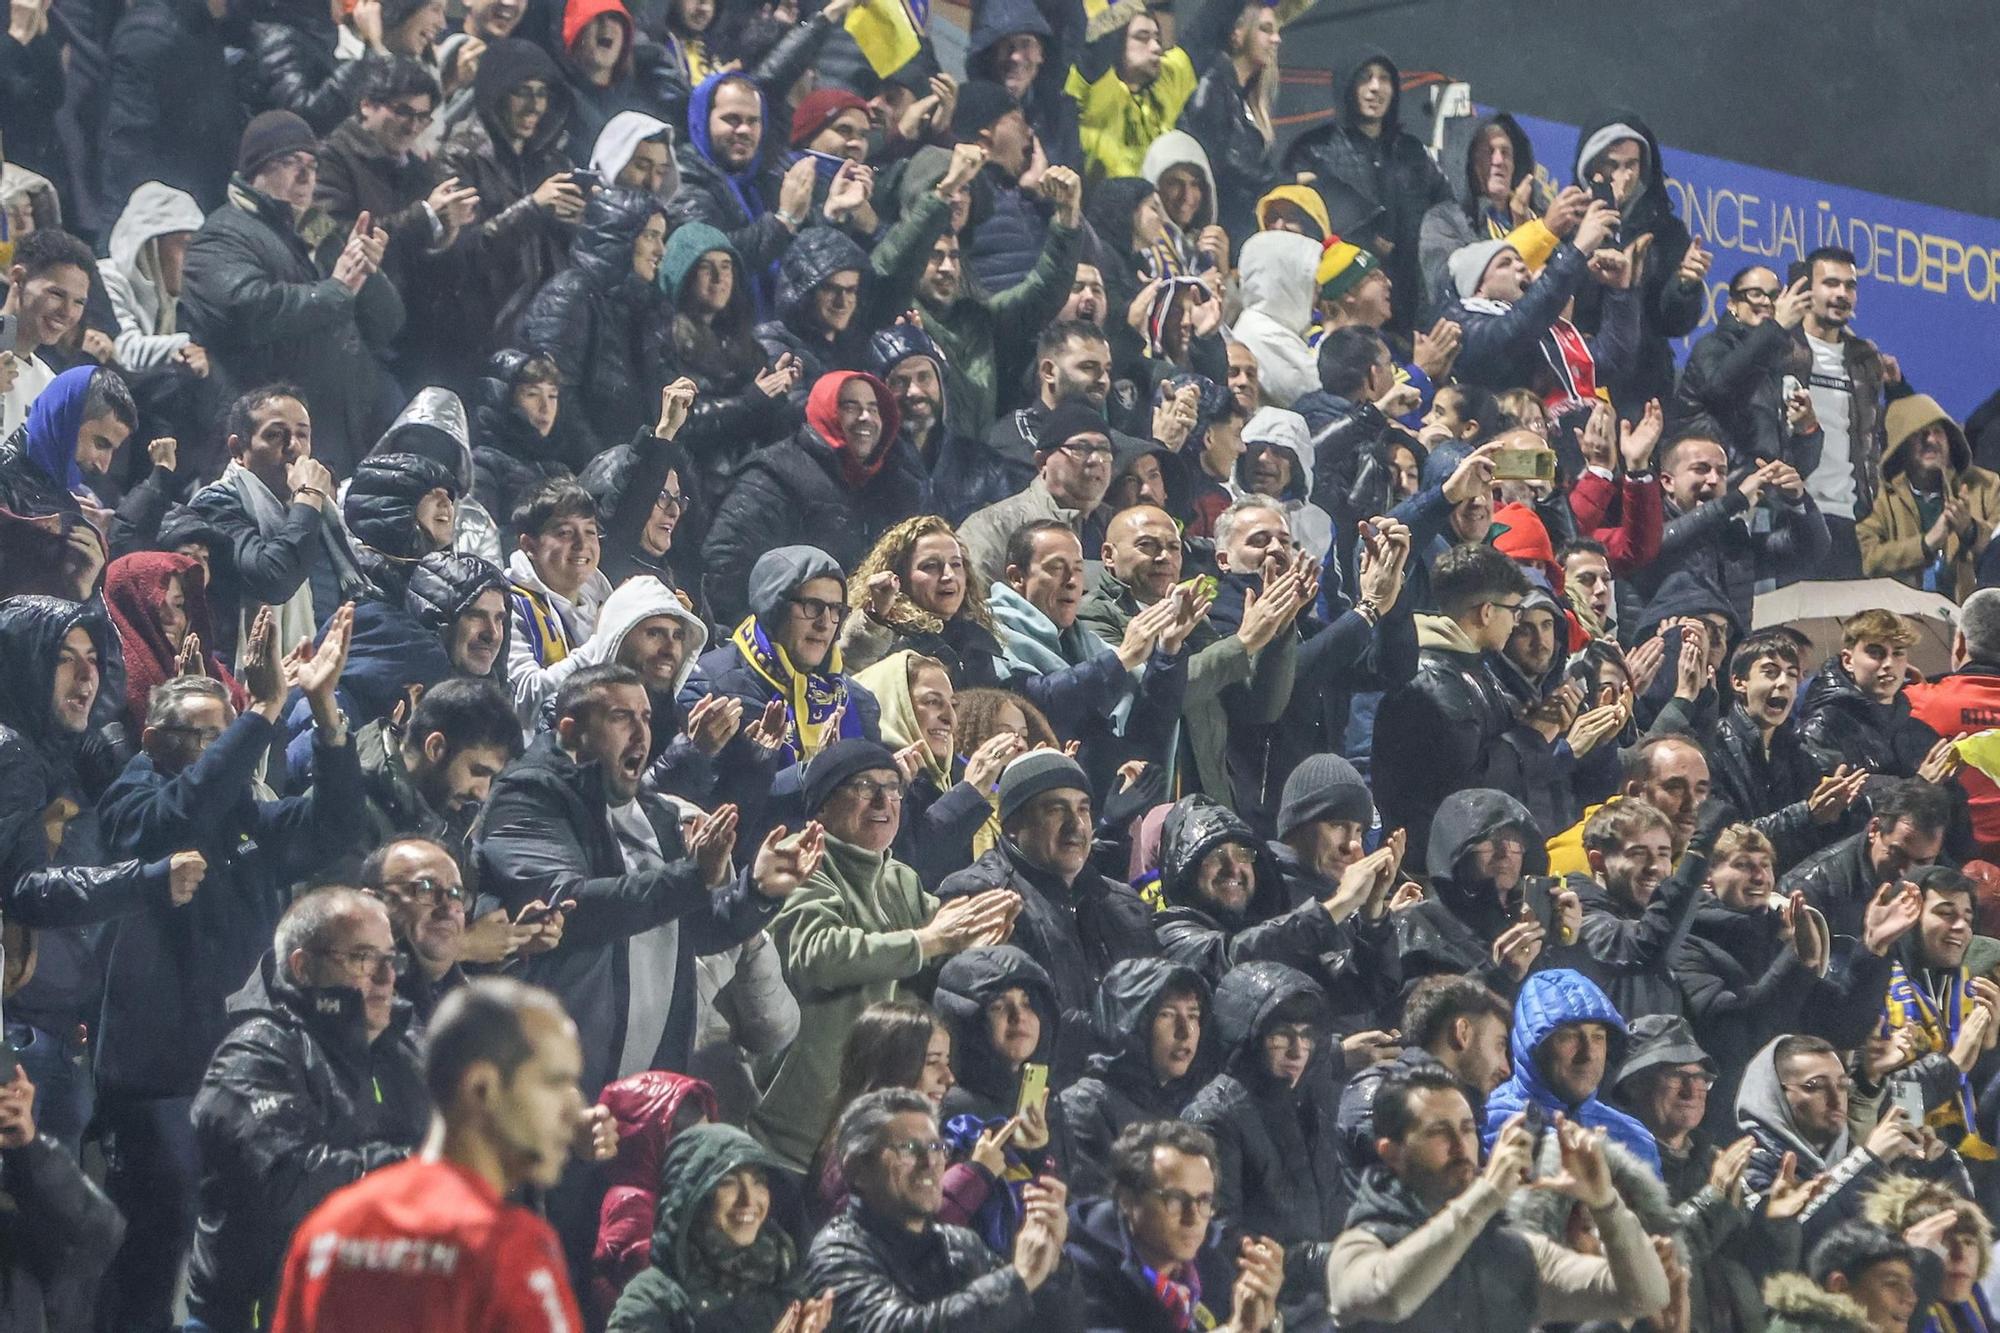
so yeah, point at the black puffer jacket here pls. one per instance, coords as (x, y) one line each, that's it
(965, 474)
(797, 493)
(1278, 1165)
(1733, 386)
(1452, 930)
(290, 65)
(1075, 931)
(297, 1103)
(603, 325)
(58, 1233)
(172, 114)
(626, 482)
(1390, 181)
(885, 1277)
(255, 296)
(1841, 725)
(1218, 114)
(1202, 934)
(815, 256)
(509, 457)
(1119, 1087)
(1768, 790)
(1116, 1285)
(1669, 307)
(443, 584)
(515, 247)
(380, 510)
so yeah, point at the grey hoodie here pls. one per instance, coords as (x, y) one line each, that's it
(147, 332)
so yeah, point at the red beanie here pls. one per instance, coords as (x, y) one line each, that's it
(818, 109)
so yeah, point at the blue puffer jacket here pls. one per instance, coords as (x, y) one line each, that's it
(1549, 1000)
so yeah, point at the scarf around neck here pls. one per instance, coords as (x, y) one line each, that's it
(812, 698)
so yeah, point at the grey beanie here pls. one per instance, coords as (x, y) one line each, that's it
(1034, 773)
(1468, 264)
(837, 763)
(780, 573)
(1324, 786)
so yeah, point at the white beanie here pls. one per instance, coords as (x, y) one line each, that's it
(1468, 264)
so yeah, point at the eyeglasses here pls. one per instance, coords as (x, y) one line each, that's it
(1679, 1078)
(1757, 295)
(538, 93)
(871, 791)
(206, 735)
(410, 115)
(1087, 453)
(367, 962)
(842, 292)
(1298, 1034)
(1196, 1205)
(1511, 608)
(916, 1150)
(1823, 1087)
(433, 891)
(812, 608)
(673, 500)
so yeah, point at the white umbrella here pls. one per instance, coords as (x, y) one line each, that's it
(1817, 610)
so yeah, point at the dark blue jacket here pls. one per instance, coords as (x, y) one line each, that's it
(1504, 351)
(1004, 246)
(170, 970)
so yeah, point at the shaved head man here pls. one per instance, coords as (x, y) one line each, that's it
(1142, 550)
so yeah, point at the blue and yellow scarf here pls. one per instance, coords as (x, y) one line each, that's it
(811, 697)
(1938, 1020)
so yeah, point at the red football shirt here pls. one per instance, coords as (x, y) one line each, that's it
(425, 1245)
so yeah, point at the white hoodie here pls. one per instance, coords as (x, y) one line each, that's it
(638, 599)
(1312, 527)
(622, 134)
(1275, 273)
(147, 335)
(532, 682)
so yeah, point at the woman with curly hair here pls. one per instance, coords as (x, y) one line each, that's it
(918, 590)
(983, 715)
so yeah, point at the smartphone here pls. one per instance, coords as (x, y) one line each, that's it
(1600, 190)
(1034, 1086)
(534, 914)
(1538, 896)
(1524, 465)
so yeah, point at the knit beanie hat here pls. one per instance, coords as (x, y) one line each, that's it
(1324, 786)
(981, 102)
(818, 110)
(273, 134)
(1034, 773)
(1342, 266)
(1468, 265)
(837, 763)
(1066, 420)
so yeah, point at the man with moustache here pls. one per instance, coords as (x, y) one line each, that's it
(1935, 513)
(1847, 382)
(965, 476)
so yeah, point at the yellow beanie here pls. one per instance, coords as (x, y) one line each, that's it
(1302, 197)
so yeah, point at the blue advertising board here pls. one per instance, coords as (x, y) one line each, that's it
(1930, 277)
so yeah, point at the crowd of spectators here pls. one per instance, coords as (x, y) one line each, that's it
(663, 667)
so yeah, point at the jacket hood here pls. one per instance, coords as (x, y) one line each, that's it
(644, 1106)
(1592, 139)
(889, 681)
(1303, 197)
(1249, 998)
(1127, 450)
(1275, 275)
(1278, 428)
(970, 981)
(1761, 1105)
(823, 417)
(1196, 826)
(1546, 1213)
(380, 508)
(702, 100)
(1905, 417)
(994, 19)
(1350, 116)
(135, 590)
(1131, 992)
(1472, 183)
(814, 256)
(502, 425)
(432, 425)
(1109, 207)
(638, 599)
(1799, 1305)
(154, 210)
(1549, 1000)
(444, 583)
(891, 347)
(609, 475)
(31, 634)
(506, 66)
(1524, 539)
(1690, 594)
(54, 419)
(611, 225)
(699, 1160)
(685, 247)
(578, 14)
(1466, 817)
(1179, 148)
(621, 136)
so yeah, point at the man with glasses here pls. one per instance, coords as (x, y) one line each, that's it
(1733, 385)
(270, 305)
(1444, 731)
(169, 972)
(370, 164)
(890, 1263)
(1146, 1257)
(1073, 468)
(1796, 1103)
(319, 1083)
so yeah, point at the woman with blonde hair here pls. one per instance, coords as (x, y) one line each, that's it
(1235, 44)
(917, 590)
